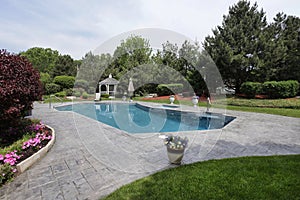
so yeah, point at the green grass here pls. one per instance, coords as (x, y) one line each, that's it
(274, 177)
(284, 107)
(273, 111)
(263, 103)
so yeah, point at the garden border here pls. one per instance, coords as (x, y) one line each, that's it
(28, 162)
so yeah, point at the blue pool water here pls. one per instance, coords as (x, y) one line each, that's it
(135, 118)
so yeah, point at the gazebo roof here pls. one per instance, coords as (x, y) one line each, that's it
(109, 81)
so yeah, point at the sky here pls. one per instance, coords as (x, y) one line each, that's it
(76, 27)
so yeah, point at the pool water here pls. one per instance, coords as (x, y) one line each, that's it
(135, 118)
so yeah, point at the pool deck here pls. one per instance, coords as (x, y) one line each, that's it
(89, 159)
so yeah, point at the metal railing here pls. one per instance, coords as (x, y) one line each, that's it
(50, 100)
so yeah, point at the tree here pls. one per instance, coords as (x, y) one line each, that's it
(42, 59)
(64, 65)
(19, 87)
(45, 79)
(237, 46)
(283, 54)
(93, 67)
(132, 52)
(51, 61)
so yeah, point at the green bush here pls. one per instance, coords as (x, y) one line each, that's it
(61, 94)
(52, 88)
(250, 89)
(69, 92)
(104, 95)
(77, 94)
(85, 95)
(82, 84)
(169, 89)
(65, 82)
(91, 90)
(45, 79)
(280, 89)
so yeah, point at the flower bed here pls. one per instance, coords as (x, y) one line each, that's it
(18, 161)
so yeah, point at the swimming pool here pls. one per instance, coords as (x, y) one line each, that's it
(136, 118)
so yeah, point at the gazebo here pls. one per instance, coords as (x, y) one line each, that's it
(108, 86)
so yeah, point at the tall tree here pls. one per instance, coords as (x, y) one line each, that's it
(132, 52)
(42, 59)
(283, 57)
(64, 65)
(237, 45)
(92, 68)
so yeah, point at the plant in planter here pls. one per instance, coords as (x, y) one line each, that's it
(40, 135)
(175, 148)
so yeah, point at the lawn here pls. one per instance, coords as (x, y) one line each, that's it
(284, 107)
(273, 177)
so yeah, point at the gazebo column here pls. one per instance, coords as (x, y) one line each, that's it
(107, 89)
(115, 90)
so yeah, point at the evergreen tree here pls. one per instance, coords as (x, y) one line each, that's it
(283, 57)
(237, 46)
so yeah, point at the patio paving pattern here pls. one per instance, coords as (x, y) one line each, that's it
(89, 159)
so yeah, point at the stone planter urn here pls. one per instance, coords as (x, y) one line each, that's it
(175, 155)
(195, 100)
(172, 99)
(175, 147)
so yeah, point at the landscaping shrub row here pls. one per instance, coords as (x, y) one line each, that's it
(66, 86)
(169, 89)
(273, 89)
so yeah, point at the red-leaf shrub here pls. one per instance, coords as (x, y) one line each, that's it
(19, 87)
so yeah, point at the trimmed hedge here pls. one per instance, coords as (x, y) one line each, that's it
(280, 89)
(273, 89)
(250, 89)
(169, 89)
(52, 88)
(65, 82)
(105, 95)
(61, 94)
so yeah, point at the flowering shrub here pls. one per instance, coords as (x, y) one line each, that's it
(10, 158)
(7, 166)
(175, 142)
(43, 135)
(9, 161)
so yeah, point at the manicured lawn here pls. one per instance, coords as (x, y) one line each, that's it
(285, 107)
(274, 177)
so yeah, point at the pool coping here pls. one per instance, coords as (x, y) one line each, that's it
(179, 108)
(72, 170)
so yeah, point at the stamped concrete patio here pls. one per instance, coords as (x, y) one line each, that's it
(90, 159)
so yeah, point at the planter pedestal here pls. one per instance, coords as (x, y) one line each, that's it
(175, 155)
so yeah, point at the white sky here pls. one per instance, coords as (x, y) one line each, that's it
(75, 27)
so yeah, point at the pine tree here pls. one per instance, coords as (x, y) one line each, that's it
(237, 45)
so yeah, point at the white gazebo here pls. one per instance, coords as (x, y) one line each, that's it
(108, 86)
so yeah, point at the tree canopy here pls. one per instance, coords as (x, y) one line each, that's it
(246, 48)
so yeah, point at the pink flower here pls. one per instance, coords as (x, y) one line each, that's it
(1, 157)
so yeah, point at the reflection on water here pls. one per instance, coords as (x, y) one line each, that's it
(134, 118)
